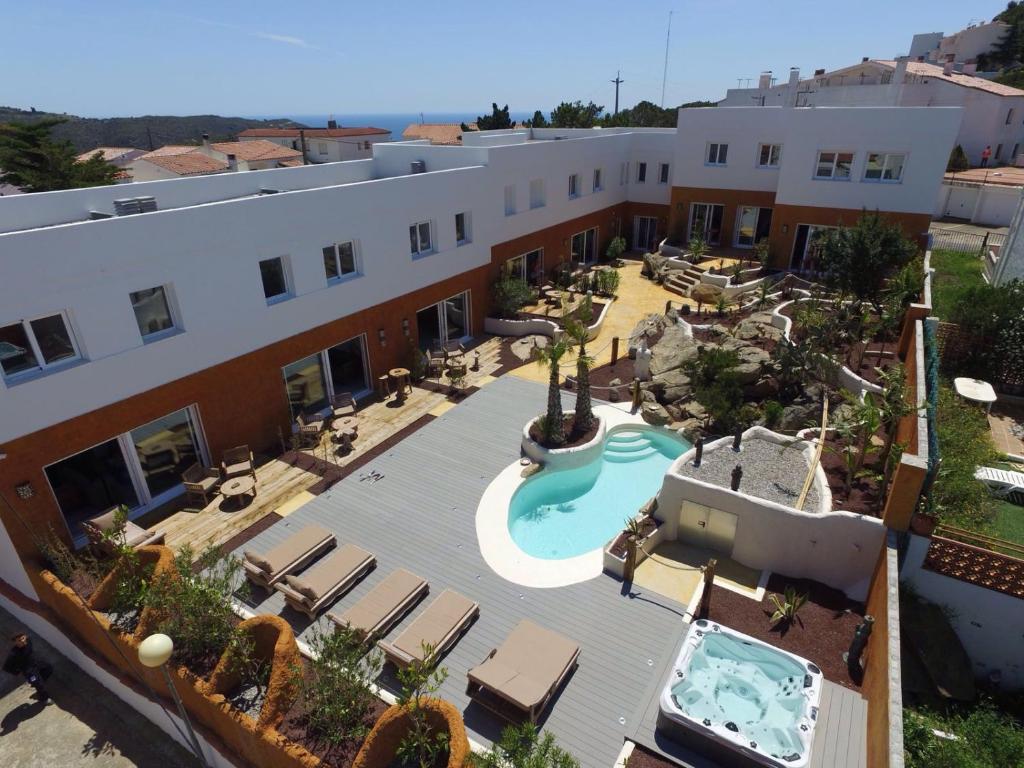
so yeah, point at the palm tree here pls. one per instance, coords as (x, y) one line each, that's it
(576, 328)
(551, 355)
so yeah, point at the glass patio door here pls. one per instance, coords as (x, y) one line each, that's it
(584, 246)
(752, 225)
(91, 482)
(706, 222)
(447, 320)
(645, 233)
(346, 366)
(165, 448)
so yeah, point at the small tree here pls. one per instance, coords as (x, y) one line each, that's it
(32, 160)
(763, 252)
(958, 160)
(522, 746)
(577, 329)
(509, 294)
(698, 248)
(616, 248)
(551, 356)
(715, 385)
(421, 746)
(856, 260)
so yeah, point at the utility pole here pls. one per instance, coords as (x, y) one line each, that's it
(618, 81)
(664, 73)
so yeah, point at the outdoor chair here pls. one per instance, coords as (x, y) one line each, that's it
(309, 428)
(439, 627)
(384, 605)
(238, 461)
(435, 363)
(295, 552)
(310, 591)
(343, 404)
(519, 678)
(135, 536)
(200, 482)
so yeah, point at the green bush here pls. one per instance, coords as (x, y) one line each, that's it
(964, 444)
(994, 316)
(616, 248)
(509, 294)
(985, 738)
(958, 160)
(607, 282)
(522, 746)
(773, 411)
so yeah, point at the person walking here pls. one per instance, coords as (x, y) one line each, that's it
(986, 153)
(21, 662)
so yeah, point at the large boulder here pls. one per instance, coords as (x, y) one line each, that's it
(756, 328)
(645, 330)
(672, 350)
(655, 414)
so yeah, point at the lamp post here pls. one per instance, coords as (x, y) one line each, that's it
(154, 652)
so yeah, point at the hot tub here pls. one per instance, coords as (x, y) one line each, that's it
(742, 693)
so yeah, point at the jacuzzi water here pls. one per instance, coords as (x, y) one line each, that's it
(562, 513)
(737, 690)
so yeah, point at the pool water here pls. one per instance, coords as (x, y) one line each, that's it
(562, 513)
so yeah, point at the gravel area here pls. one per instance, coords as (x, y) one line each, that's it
(770, 471)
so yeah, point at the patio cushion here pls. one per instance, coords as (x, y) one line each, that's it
(375, 607)
(104, 522)
(242, 468)
(303, 588)
(329, 572)
(134, 534)
(205, 483)
(446, 614)
(258, 560)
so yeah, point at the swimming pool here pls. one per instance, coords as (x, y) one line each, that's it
(738, 691)
(561, 513)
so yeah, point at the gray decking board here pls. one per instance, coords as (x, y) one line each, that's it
(840, 738)
(421, 516)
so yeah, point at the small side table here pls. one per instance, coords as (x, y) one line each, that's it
(402, 385)
(383, 387)
(238, 487)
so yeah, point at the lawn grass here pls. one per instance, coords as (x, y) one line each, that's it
(1008, 522)
(954, 273)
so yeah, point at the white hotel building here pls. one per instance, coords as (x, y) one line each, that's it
(132, 345)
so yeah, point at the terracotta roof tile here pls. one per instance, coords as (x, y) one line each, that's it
(436, 133)
(321, 133)
(258, 149)
(109, 153)
(170, 149)
(924, 69)
(188, 164)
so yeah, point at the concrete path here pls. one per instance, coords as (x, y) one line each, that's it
(82, 725)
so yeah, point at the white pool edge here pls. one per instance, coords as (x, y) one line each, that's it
(503, 555)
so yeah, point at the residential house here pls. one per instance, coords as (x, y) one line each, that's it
(174, 161)
(253, 155)
(323, 145)
(436, 133)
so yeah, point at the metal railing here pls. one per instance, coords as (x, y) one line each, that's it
(965, 242)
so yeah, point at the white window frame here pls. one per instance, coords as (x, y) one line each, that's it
(664, 173)
(641, 172)
(716, 154)
(538, 196)
(598, 180)
(285, 273)
(835, 164)
(574, 186)
(148, 338)
(886, 156)
(467, 232)
(341, 277)
(773, 149)
(431, 245)
(42, 367)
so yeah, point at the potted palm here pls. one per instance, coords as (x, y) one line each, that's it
(552, 424)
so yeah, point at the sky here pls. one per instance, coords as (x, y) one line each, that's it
(102, 58)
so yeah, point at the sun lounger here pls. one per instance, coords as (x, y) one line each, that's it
(292, 554)
(311, 590)
(1002, 482)
(440, 627)
(520, 677)
(383, 605)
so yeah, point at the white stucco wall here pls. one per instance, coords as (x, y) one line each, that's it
(1011, 255)
(11, 569)
(990, 624)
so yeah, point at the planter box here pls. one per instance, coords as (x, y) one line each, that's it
(616, 566)
(378, 751)
(564, 458)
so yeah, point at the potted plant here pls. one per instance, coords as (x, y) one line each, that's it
(552, 425)
(787, 606)
(615, 250)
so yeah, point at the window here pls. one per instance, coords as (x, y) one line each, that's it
(768, 155)
(597, 180)
(306, 386)
(663, 173)
(275, 284)
(340, 260)
(884, 166)
(623, 173)
(462, 235)
(1009, 115)
(641, 173)
(321, 147)
(1015, 148)
(834, 165)
(152, 312)
(420, 242)
(574, 186)
(537, 197)
(717, 154)
(510, 200)
(36, 345)
(999, 152)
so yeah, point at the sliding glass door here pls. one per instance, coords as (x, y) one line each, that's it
(306, 385)
(447, 320)
(752, 225)
(584, 246)
(706, 222)
(529, 267)
(341, 368)
(347, 367)
(645, 233)
(140, 469)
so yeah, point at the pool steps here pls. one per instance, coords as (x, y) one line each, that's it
(627, 446)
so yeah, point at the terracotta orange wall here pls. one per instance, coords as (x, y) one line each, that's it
(730, 199)
(875, 686)
(611, 222)
(242, 400)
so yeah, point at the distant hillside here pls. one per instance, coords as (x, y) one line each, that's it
(146, 132)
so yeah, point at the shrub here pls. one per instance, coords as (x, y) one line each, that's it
(616, 248)
(773, 411)
(994, 316)
(194, 606)
(334, 691)
(958, 160)
(715, 386)
(964, 444)
(985, 737)
(522, 746)
(421, 746)
(787, 606)
(607, 282)
(509, 294)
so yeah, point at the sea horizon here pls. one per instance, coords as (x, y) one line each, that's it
(396, 122)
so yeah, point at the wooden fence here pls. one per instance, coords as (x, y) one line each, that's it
(981, 560)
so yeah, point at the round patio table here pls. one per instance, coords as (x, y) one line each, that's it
(238, 487)
(975, 390)
(401, 377)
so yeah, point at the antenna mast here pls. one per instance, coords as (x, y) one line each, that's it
(618, 81)
(664, 73)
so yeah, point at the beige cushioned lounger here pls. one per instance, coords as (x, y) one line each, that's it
(521, 676)
(310, 591)
(295, 552)
(440, 626)
(383, 605)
